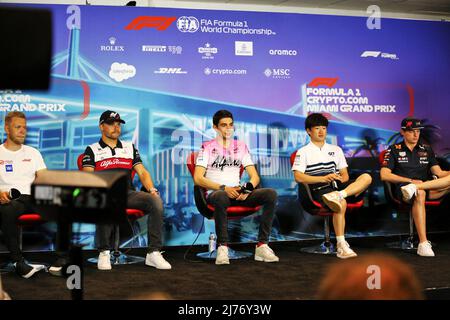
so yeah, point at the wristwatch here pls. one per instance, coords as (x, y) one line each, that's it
(222, 187)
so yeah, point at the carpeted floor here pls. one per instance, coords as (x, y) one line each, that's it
(295, 277)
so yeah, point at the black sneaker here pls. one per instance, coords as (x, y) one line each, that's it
(57, 268)
(24, 270)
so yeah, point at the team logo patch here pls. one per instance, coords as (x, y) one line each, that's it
(402, 154)
(9, 168)
(422, 154)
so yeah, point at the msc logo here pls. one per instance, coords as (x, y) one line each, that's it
(158, 23)
(170, 71)
(278, 73)
(188, 24)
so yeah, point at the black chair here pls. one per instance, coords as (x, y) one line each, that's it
(315, 208)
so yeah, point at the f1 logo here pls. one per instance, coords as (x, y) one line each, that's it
(329, 82)
(159, 23)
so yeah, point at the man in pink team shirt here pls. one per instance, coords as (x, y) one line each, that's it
(217, 169)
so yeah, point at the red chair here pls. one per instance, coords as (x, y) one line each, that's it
(403, 207)
(315, 208)
(207, 211)
(119, 257)
(25, 220)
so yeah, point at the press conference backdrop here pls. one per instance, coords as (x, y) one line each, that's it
(167, 71)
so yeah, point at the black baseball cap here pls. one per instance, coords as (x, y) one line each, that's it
(110, 117)
(411, 124)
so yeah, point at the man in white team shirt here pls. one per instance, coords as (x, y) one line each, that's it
(19, 166)
(217, 169)
(323, 166)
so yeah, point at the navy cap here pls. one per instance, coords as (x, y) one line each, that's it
(411, 124)
(110, 117)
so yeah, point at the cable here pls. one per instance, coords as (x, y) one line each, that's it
(195, 240)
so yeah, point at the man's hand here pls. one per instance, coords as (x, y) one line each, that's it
(4, 197)
(153, 192)
(242, 196)
(416, 181)
(331, 177)
(232, 192)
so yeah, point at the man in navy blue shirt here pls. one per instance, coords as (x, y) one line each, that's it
(413, 162)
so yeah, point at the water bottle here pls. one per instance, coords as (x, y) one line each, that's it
(212, 243)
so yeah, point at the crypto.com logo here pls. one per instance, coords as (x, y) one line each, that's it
(158, 23)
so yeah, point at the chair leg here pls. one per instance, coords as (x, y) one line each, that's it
(326, 247)
(118, 257)
(232, 254)
(20, 237)
(408, 243)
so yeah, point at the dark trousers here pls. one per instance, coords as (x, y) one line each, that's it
(8, 220)
(220, 201)
(152, 206)
(9, 213)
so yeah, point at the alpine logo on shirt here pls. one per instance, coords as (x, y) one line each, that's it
(220, 162)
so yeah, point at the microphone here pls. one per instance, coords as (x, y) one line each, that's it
(247, 188)
(14, 194)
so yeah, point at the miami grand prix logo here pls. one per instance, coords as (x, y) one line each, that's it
(155, 22)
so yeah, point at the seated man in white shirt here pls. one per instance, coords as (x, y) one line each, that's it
(323, 167)
(218, 170)
(19, 166)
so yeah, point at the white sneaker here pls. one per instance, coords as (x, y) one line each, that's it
(104, 260)
(424, 249)
(408, 192)
(265, 253)
(155, 259)
(333, 200)
(344, 251)
(222, 255)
